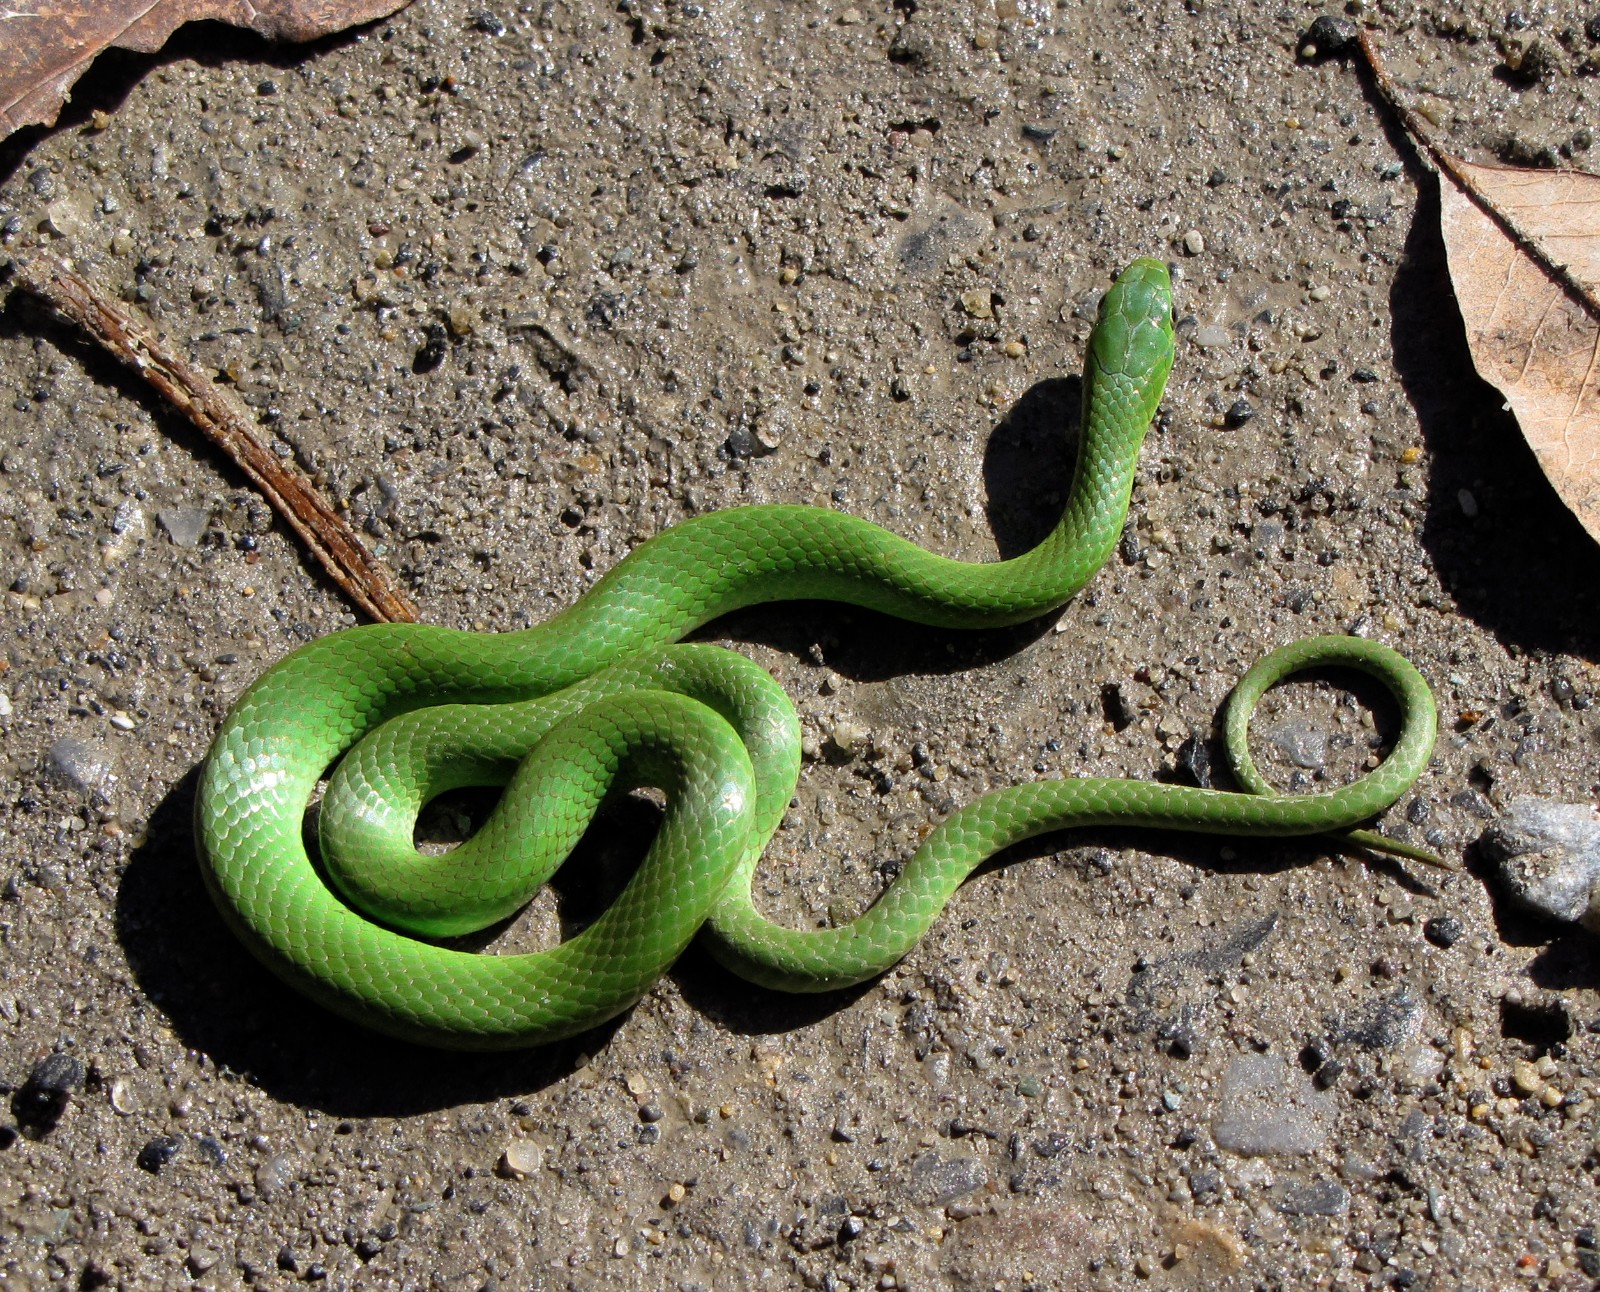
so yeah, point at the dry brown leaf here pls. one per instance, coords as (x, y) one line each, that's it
(1524, 254)
(45, 45)
(1531, 336)
(1558, 211)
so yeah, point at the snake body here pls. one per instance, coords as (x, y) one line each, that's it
(598, 698)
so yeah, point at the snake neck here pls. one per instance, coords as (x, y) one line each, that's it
(1117, 411)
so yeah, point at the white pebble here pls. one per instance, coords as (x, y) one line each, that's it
(521, 1159)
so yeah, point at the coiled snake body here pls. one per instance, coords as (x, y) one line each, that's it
(602, 699)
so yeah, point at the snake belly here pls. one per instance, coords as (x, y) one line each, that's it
(598, 698)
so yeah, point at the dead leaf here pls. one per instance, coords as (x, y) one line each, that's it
(1524, 254)
(1530, 337)
(45, 45)
(1556, 210)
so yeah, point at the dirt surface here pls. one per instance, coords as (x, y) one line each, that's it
(523, 286)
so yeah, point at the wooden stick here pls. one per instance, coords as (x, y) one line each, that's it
(130, 336)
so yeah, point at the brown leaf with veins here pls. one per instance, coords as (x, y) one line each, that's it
(1524, 253)
(1534, 337)
(45, 45)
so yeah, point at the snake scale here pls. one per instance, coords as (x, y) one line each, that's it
(598, 698)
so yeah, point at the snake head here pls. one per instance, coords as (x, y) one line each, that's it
(1133, 338)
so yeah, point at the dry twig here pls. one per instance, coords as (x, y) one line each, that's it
(132, 338)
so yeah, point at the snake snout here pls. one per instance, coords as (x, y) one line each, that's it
(1134, 334)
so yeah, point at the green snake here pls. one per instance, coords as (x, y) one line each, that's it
(598, 699)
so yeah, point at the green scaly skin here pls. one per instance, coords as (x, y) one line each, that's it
(617, 705)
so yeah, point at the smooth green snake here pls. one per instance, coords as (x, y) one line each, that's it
(598, 698)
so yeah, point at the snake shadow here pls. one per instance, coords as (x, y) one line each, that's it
(1027, 472)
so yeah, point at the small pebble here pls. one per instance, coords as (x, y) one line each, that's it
(158, 1152)
(184, 525)
(1327, 37)
(520, 1159)
(1315, 1198)
(1263, 1109)
(1302, 743)
(274, 1175)
(1443, 930)
(848, 737)
(124, 1096)
(1525, 1078)
(936, 1180)
(1546, 857)
(202, 1260)
(1194, 243)
(45, 1094)
(86, 766)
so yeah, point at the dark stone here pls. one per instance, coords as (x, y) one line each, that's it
(431, 353)
(43, 1098)
(1443, 930)
(158, 1152)
(604, 309)
(1195, 758)
(1328, 37)
(1391, 1022)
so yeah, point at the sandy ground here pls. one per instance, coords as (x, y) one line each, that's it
(522, 286)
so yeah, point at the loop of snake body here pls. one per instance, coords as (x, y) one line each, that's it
(598, 698)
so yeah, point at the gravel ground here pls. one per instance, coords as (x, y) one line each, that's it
(521, 287)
